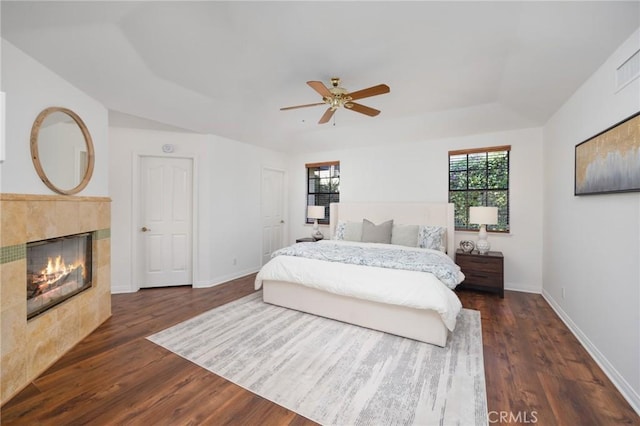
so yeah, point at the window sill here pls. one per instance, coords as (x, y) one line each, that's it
(475, 232)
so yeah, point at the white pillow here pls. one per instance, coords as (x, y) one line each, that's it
(353, 231)
(432, 237)
(405, 235)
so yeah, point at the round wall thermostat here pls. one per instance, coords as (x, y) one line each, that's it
(167, 148)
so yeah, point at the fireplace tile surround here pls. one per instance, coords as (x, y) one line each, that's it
(28, 348)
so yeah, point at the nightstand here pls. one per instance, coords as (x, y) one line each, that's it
(482, 271)
(306, 240)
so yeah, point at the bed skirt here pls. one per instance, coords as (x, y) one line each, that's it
(418, 324)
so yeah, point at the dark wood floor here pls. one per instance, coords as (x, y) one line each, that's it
(536, 371)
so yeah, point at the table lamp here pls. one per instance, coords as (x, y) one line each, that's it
(483, 216)
(316, 212)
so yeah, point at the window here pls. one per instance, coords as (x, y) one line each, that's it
(323, 186)
(480, 177)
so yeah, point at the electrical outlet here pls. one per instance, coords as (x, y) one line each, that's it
(563, 293)
(235, 261)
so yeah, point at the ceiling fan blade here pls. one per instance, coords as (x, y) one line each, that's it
(327, 116)
(301, 106)
(380, 89)
(361, 109)
(319, 87)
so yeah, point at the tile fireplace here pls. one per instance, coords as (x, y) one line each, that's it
(43, 240)
(57, 269)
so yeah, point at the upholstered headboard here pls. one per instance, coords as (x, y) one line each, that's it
(441, 214)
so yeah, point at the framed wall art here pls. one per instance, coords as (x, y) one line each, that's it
(610, 161)
(3, 130)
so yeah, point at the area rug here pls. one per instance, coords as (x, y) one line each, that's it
(335, 373)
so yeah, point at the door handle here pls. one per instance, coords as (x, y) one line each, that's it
(145, 229)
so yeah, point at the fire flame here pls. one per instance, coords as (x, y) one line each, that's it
(58, 267)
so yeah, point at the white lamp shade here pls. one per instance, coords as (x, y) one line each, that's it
(483, 215)
(315, 212)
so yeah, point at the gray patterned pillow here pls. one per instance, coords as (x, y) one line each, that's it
(348, 231)
(372, 233)
(432, 237)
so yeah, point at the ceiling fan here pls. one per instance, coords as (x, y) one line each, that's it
(337, 97)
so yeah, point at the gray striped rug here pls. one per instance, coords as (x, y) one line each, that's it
(336, 373)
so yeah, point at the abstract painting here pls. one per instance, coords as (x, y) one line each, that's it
(610, 160)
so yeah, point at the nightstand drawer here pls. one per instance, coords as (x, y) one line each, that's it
(478, 263)
(478, 278)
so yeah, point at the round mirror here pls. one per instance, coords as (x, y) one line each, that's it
(62, 150)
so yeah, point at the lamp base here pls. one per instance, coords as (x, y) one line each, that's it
(483, 246)
(316, 234)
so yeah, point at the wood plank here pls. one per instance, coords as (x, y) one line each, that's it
(535, 367)
(533, 364)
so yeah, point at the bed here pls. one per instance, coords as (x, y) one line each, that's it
(431, 307)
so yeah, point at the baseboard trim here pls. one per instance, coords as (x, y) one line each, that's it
(628, 393)
(122, 290)
(523, 290)
(225, 278)
(198, 284)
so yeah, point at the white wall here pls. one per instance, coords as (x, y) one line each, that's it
(418, 172)
(30, 88)
(228, 187)
(592, 243)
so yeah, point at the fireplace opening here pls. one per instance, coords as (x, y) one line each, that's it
(57, 269)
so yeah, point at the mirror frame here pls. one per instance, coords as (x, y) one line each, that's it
(35, 131)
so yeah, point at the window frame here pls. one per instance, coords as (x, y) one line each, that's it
(333, 167)
(504, 225)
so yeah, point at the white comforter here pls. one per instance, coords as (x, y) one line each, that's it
(421, 290)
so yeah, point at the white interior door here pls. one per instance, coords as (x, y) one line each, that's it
(272, 212)
(165, 228)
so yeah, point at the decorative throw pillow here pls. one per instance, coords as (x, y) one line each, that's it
(339, 233)
(404, 235)
(353, 231)
(432, 237)
(372, 233)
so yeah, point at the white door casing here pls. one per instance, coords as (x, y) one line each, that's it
(272, 211)
(165, 221)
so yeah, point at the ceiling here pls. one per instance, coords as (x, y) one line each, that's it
(226, 68)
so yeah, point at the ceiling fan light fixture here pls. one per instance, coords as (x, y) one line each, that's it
(336, 102)
(336, 97)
